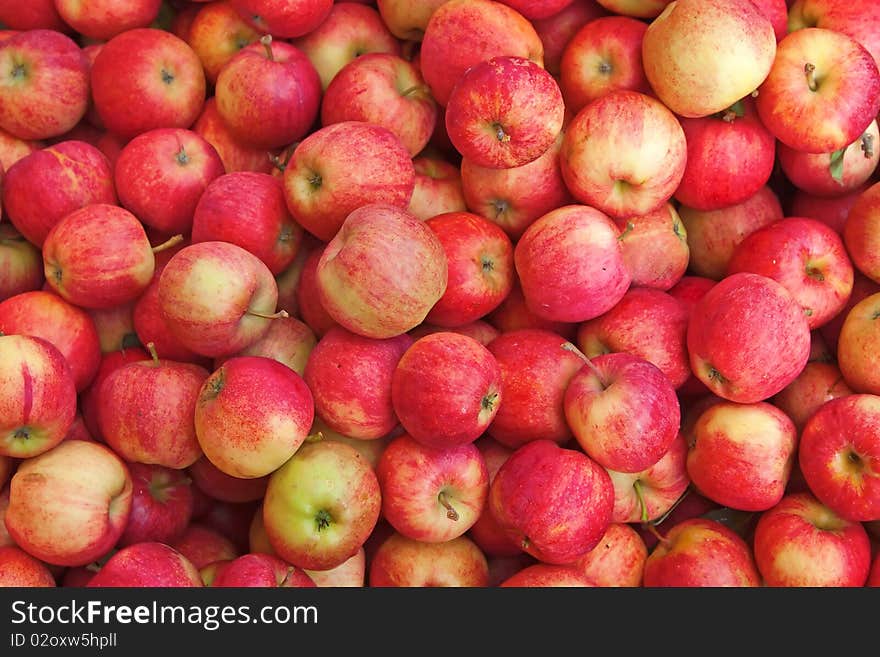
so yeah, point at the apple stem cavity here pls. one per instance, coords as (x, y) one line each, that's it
(451, 513)
(266, 40)
(568, 346)
(500, 134)
(281, 314)
(323, 520)
(810, 72)
(167, 244)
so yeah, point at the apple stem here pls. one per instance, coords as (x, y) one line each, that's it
(637, 486)
(415, 88)
(656, 533)
(568, 346)
(281, 314)
(810, 71)
(151, 347)
(266, 40)
(316, 437)
(868, 145)
(167, 244)
(451, 513)
(630, 226)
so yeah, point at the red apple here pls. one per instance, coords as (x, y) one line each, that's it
(818, 383)
(861, 233)
(308, 301)
(115, 327)
(856, 18)
(655, 248)
(513, 314)
(104, 19)
(21, 263)
(857, 345)
(212, 481)
(36, 14)
(479, 330)
(636, 8)
(216, 34)
(262, 571)
(618, 560)
(203, 545)
(438, 187)
(288, 340)
(832, 210)
(543, 575)
(558, 30)
(161, 506)
(89, 398)
(149, 564)
(235, 154)
(486, 532)
(407, 19)
(403, 562)
(19, 569)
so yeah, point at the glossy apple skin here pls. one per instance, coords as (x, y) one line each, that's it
(857, 344)
(147, 564)
(50, 97)
(624, 415)
(839, 456)
(18, 568)
(701, 553)
(402, 562)
(429, 494)
(42, 188)
(540, 496)
(218, 485)
(321, 505)
(89, 397)
(861, 233)
(802, 543)
(104, 19)
(235, 154)
(593, 278)
(831, 210)
(856, 19)
(618, 560)
(70, 505)
(262, 570)
(535, 371)
(216, 34)
(818, 383)
(203, 545)
(486, 532)
(161, 507)
(543, 575)
(126, 68)
(37, 396)
(655, 248)
(438, 187)
(40, 14)
(807, 257)
(288, 340)
(446, 390)
(284, 18)
(739, 357)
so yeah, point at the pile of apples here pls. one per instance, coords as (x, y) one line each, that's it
(439, 293)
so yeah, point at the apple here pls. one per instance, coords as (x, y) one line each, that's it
(513, 314)
(858, 19)
(5, 538)
(45, 89)
(802, 543)
(288, 340)
(831, 210)
(861, 234)
(88, 398)
(403, 562)
(308, 301)
(536, 9)
(148, 564)
(602, 56)
(618, 560)
(68, 327)
(431, 494)
(371, 450)
(216, 34)
(438, 187)
(655, 249)
(348, 31)
(351, 573)
(43, 187)
(637, 8)
(799, 101)
(341, 167)
(480, 330)
(212, 481)
(261, 571)
(158, 68)
(235, 154)
(504, 112)
(252, 414)
(145, 411)
(486, 532)
(818, 383)
(594, 277)
(247, 208)
(543, 575)
(382, 272)
(383, 89)
(161, 505)
(283, 18)
(21, 263)
(37, 14)
(557, 31)
(70, 505)
(321, 505)
(464, 33)
(701, 56)
(701, 552)
(857, 343)
(838, 452)
(556, 503)
(268, 95)
(624, 154)
(37, 396)
(104, 19)
(407, 19)
(115, 327)
(203, 545)
(747, 338)
(446, 390)
(160, 176)
(19, 569)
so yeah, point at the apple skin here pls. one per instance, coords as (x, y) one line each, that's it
(556, 503)
(743, 455)
(70, 505)
(145, 411)
(701, 56)
(21, 263)
(593, 278)
(655, 248)
(438, 187)
(729, 158)
(429, 494)
(161, 506)
(19, 569)
(38, 14)
(161, 174)
(268, 94)
(252, 414)
(818, 383)
(513, 314)
(351, 573)
(485, 532)
(558, 30)
(350, 379)
(98, 257)
(288, 340)
(208, 294)
(636, 8)
(48, 92)
(88, 398)
(321, 505)
(217, 33)
(625, 154)
(247, 208)
(602, 56)
(462, 33)
(69, 328)
(535, 372)
(37, 396)
(543, 575)
(218, 485)
(504, 112)
(283, 18)
(802, 543)
(831, 210)
(407, 19)
(861, 233)
(261, 571)
(341, 167)
(624, 413)
(308, 302)
(383, 89)
(618, 560)
(235, 154)
(738, 356)
(382, 273)
(403, 562)
(203, 545)
(856, 19)
(102, 20)
(700, 552)
(839, 456)
(43, 187)
(149, 564)
(115, 327)
(843, 69)
(446, 390)
(480, 330)
(857, 343)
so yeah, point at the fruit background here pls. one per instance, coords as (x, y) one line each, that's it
(406, 293)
